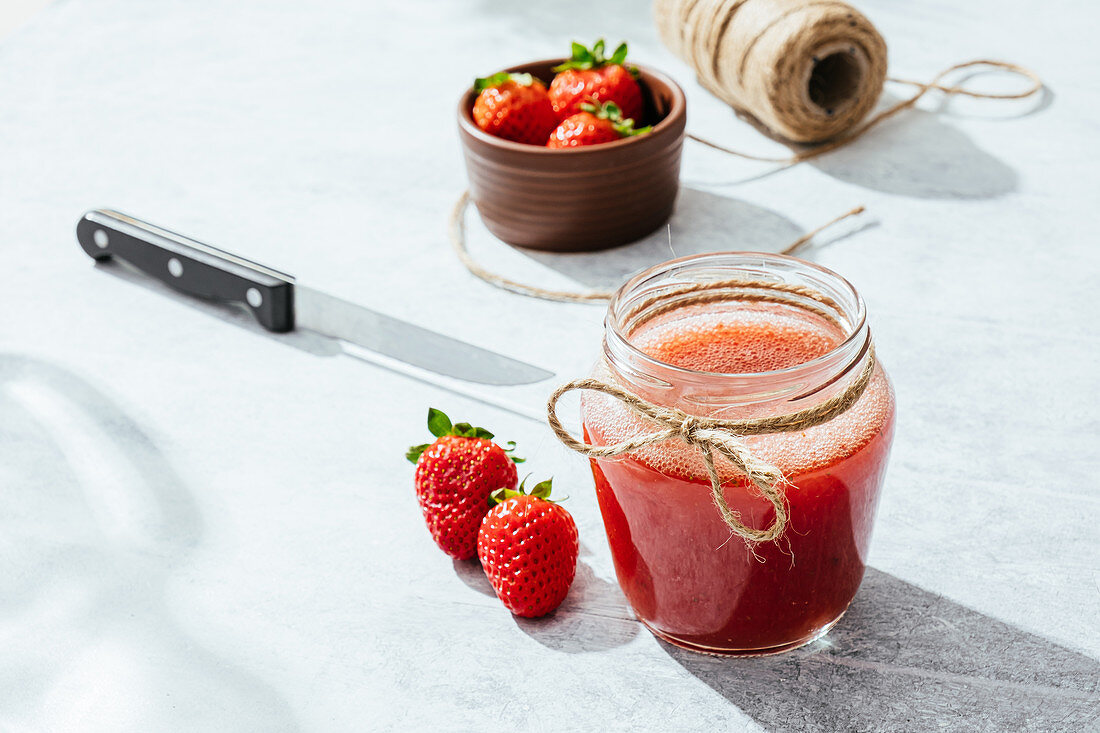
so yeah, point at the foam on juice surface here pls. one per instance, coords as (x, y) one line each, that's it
(754, 338)
(743, 339)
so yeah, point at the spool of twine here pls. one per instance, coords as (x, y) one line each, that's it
(808, 70)
(721, 437)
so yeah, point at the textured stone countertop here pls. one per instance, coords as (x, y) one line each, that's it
(206, 527)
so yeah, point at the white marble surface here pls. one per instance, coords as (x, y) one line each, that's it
(203, 527)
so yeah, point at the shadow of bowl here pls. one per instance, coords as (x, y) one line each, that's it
(703, 222)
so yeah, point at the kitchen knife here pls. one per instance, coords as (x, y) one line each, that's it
(280, 304)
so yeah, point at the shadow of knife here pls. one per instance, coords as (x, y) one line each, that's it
(272, 303)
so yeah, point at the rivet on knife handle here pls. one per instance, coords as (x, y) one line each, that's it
(189, 266)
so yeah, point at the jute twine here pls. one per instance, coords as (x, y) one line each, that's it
(922, 89)
(456, 228)
(711, 435)
(808, 70)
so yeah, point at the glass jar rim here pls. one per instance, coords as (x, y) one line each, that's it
(856, 332)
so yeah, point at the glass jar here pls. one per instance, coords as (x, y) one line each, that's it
(771, 336)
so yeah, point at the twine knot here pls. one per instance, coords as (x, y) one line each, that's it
(688, 429)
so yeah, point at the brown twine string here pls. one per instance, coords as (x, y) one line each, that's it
(711, 435)
(456, 228)
(923, 88)
(713, 292)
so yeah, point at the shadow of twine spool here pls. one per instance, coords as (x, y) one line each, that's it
(807, 70)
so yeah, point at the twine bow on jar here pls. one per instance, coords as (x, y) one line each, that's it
(710, 436)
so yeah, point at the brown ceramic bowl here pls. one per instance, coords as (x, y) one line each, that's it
(583, 198)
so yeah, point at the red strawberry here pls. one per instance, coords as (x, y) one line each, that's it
(528, 547)
(455, 477)
(588, 75)
(592, 126)
(514, 107)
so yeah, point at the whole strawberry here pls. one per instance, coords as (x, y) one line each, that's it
(593, 125)
(588, 75)
(514, 107)
(455, 477)
(528, 548)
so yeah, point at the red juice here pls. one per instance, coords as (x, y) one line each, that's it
(687, 577)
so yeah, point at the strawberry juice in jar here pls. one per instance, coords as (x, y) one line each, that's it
(687, 576)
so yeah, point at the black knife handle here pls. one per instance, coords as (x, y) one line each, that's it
(189, 266)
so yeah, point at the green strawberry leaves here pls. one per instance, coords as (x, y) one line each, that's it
(541, 490)
(466, 430)
(611, 112)
(500, 78)
(413, 453)
(439, 425)
(501, 495)
(607, 111)
(582, 58)
(509, 447)
(619, 56)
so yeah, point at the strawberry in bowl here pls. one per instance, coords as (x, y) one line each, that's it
(588, 76)
(514, 107)
(592, 125)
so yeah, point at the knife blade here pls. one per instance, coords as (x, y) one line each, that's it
(280, 304)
